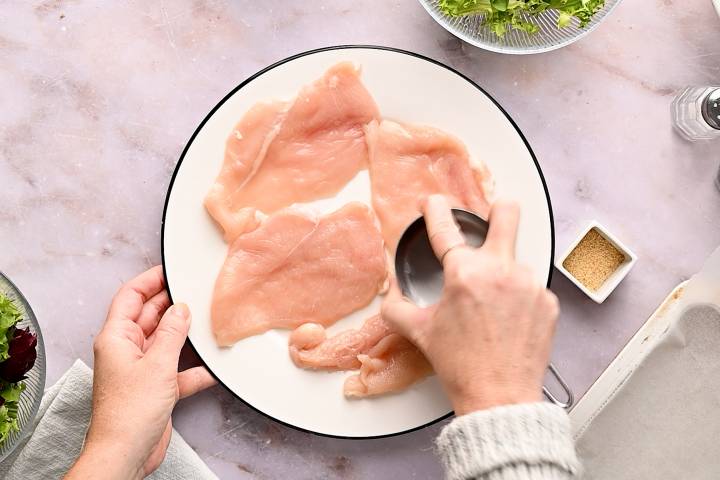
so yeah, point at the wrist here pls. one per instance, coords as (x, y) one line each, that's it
(100, 459)
(473, 401)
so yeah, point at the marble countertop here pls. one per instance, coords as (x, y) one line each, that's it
(98, 101)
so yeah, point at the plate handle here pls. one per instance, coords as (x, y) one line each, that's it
(569, 397)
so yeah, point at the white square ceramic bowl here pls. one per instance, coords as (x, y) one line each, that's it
(615, 278)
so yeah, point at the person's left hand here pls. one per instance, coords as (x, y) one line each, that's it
(136, 382)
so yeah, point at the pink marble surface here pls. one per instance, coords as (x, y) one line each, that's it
(99, 99)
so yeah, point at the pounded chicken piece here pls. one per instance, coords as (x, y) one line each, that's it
(282, 153)
(410, 162)
(297, 268)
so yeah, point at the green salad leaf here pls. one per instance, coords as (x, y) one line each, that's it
(9, 397)
(499, 15)
(8, 421)
(9, 316)
(9, 391)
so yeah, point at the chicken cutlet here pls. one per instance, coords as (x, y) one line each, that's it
(282, 153)
(410, 162)
(296, 268)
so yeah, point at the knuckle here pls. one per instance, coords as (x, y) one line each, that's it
(172, 329)
(124, 291)
(449, 261)
(524, 271)
(520, 278)
(504, 279)
(463, 275)
(444, 226)
(127, 295)
(451, 268)
(527, 283)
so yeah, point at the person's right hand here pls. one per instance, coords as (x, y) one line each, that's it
(489, 338)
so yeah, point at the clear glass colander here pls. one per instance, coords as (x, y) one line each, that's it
(549, 37)
(35, 382)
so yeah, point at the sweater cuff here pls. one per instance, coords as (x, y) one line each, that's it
(527, 437)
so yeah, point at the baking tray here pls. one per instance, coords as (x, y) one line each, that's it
(615, 375)
(653, 412)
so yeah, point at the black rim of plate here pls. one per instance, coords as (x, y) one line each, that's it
(267, 69)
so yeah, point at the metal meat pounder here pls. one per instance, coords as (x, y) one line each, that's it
(420, 274)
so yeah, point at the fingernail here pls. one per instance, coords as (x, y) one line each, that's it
(181, 310)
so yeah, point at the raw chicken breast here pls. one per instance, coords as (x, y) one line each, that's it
(310, 348)
(245, 150)
(410, 162)
(392, 365)
(284, 153)
(295, 268)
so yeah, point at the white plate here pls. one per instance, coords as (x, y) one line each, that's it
(258, 370)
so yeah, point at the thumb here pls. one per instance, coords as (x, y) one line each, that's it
(170, 334)
(401, 315)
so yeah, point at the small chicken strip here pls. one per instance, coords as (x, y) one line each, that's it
(297, 268)
(310, 347)
(393, 365)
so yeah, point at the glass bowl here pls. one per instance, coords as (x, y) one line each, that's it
(470, 29)
(35, 382)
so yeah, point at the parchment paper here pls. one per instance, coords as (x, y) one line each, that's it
(664, 421)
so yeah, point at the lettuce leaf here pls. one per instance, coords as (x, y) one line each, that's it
(8, 422)
(23, 353)
(9, 316)
(499, 15)
(9, 398)
(11, 392)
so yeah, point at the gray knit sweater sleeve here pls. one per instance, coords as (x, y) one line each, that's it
(517, 442)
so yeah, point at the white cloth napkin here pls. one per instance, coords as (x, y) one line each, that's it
(59, 432)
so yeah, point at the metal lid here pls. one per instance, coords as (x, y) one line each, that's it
(711, 109)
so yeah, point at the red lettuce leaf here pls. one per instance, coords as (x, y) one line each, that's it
(23, 352)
